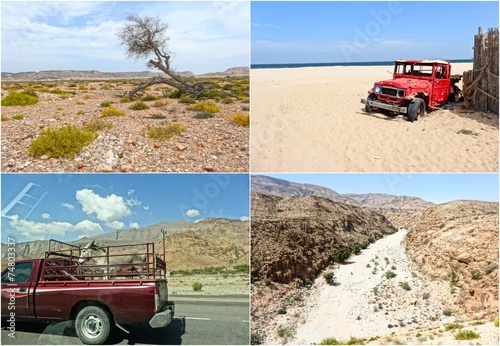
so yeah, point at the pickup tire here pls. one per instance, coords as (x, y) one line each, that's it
(93, 325)
(416, 109)
(370, 97)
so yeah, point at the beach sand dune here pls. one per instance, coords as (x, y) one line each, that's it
(311, 120)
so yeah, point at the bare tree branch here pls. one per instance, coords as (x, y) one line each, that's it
(145, 37)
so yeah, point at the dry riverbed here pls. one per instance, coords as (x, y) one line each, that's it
(378, 296)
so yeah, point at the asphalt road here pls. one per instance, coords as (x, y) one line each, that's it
(221, 320)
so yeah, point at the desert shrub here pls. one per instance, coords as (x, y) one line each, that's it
(241, 120)
(19, 99)
(160, 103)
(158, 116)
(213, 94)
(285, 333)
(356, 249)
(174, 94)
(166, 132)
(453, 326)
(105, 87)
(31, 92)
(197, 286)
(5, 118)
(97, 125)
(148, 98)
(453, 278)
(139, 105)
(447, 312)
(405, 285)
(477, 323)
(490, 268)
(426, 296)
(18, 117)
(256, 339)
(112, 112)
(355, 341)
(341, 255)
(495, 323)
(105, 104)
(204, 107)
(390, 274)
(330, 341)
(58, 91)
(187, 100)
(329, 278)
(227, 100)
(64, 142)
(476, 274)
(281, 311)
(466, 335)
(125, 99)
(204, 115)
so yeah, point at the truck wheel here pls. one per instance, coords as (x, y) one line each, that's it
(93, 325)
(416, 109)
(370, 97)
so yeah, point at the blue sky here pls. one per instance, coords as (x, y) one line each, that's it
(435, 188)
(205, 36)
(356, 31)
(74, 205)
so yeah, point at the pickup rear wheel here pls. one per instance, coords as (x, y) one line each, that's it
(93, 325)
(416, 109)
(370, 97)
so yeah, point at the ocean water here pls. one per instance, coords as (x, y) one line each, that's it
(368, 63)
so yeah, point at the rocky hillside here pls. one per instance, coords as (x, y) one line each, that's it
(98, 75)
(385, 203)
(283, 188)
(295, 237)
(457, 243)
(211, 242)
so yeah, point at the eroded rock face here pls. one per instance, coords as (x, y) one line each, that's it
(293, 238)
(460, 237)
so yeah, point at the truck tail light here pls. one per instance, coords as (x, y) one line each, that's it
(157, 298)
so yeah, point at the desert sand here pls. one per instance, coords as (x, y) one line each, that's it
(311, 120)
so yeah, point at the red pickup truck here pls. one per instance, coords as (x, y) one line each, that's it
(67, 286)
(416, 85)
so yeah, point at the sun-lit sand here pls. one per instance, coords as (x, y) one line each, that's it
(311, 120)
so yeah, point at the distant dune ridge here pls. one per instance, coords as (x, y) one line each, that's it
(98, 75)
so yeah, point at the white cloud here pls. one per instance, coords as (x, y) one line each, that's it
(68, 206)
(134, 225)
(146, 207)
(192, 213)
(45, 216)
(205, 36)
(115, 225)
(244, 218)
(88, 227)
(107, 209)
(43, 230)
(132, 202)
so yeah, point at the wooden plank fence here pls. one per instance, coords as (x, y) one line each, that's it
(480, 85)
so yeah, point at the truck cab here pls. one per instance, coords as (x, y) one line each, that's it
(416, 86)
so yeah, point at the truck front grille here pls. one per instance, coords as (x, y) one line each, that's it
(390, 91)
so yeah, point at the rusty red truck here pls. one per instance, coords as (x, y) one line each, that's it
(100, 291)
(417, 85)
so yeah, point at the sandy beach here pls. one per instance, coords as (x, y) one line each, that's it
(311, 120)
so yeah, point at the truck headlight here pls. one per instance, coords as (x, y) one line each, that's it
(377, 90)
(400, 93)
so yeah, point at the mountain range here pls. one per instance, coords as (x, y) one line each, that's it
(98, 75)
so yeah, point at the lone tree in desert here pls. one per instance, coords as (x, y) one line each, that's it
(145, 37)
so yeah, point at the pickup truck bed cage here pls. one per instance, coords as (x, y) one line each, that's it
(65, 262)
